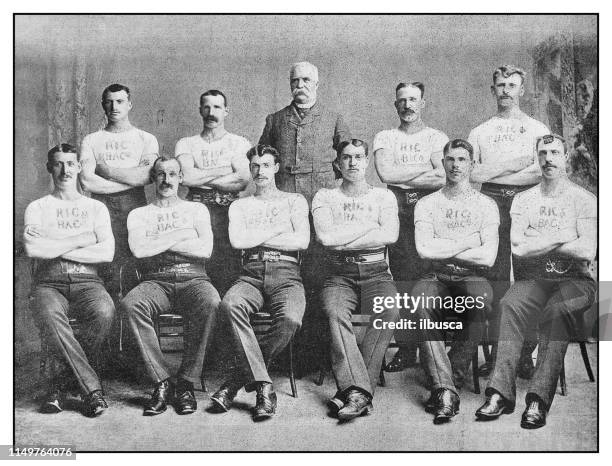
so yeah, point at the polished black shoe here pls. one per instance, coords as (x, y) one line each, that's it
(336, 403)
(495, 406)
(222, 399)
(525, 368)
(94, 404)
(534, 415)
(403, 359)
(159, 400)
(357, 404)
(184, 398)
(265, 405)
(430, 404)
(53, 402)
(446, 407)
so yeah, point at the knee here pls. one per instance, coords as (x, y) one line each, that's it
(105, 311)
(233, 308)
(291, 322)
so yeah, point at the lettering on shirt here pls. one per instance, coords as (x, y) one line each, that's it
(162, 222)
(550, 217)
(265, 215)
(458, 218)
(506, 133)
(409, 154)
(356, 211)
(71, 218)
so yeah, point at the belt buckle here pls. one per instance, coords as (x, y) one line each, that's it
(196, 197)
(350, 259)
(508, 192)
(551, 266)
(412, 198)
(75, 268)
(269, 256)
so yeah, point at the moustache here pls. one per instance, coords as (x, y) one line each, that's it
(212, 119)
(165, 185)
(549, 165)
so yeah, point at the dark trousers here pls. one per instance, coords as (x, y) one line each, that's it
(351, 288)
(552, 306)
(223, 266)
(194, 298)
(449, 370)
(404, 262)
(277, 285)
(63, 297)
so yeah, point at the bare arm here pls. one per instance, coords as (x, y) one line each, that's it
(200, 247)
(40, 246)
(298, 239)
(97, 184)
(433, 179)
(527, 242)
(485, 254)
(392, 173)
(585, 246)
(528, 175)
(239, 179)
(428, 246)
(104, 248)
(134, 176)
(195, 177)
(147, 244)
(242, 237)
(484, 173)
(333, 236)
(386, 233)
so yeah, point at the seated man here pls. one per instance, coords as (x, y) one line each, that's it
(270, 227)
(173, 239)
(69, 234)
(455, 228)
(554, 233)
(355, 222)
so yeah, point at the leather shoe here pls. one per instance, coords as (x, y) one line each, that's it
(495, 406)
(222, 399)
(336, 403)
(184, 398)
(94, 404)
(159, 400)
(403, 359)
(534, 415)
(265, 405)
(430, 404)
(357, 404)
(447, 405)
(54, 401)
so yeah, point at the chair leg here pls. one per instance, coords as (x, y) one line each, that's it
(382, 382)
(321, 378)
(587, 363)
(562, 380)
(475, 371)
(291, 373)
(202, 383)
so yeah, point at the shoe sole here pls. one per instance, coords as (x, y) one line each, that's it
(152, 412)
(186, 411)
(335, 405)
(263, 416)
(218, 404)
(364, 412)
(99, 410)
(491, 417)
(531, 426)
(51, 408)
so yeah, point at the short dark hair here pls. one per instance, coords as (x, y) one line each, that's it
(214, 92)
(548, 138)
(419, 85)
(61, 147)
(163, 158)
(459, 144)
(261, 149)
(115, 88)
(509, 70)
(343, 145)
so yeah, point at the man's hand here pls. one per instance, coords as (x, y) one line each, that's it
(103, 170)
(532, 232)
(565, 235)
(85, 239)
(474, 240)
(35, 231)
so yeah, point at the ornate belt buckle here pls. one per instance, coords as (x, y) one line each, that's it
(349, 259)
(508, 192)
(412, 198)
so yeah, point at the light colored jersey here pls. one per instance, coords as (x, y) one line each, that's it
(456, 218)
(348, 211)
(264, 215)
(120, 150)
(218, 154)
(501, 139)
(411, 150)
(62, 219)
(159, 220)
(548, 214)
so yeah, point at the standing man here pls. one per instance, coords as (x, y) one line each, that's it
(355, 222)
(306, 134)
(215, 169)
(172, 238)
(270, 228)
(554, 229)
(409, 160)
(116, 164)
(69, 234)
(455, 228)
(506, 165)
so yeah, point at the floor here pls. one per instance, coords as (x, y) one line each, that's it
(398, 422)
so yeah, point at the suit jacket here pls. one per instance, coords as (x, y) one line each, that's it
(307, 147)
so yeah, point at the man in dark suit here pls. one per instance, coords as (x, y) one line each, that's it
(306, 134)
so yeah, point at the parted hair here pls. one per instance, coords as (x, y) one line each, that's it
(116, 88)
(419, 85)
(214, 93)
(342, 146)
(459, 144)
(261, 149)
(509, 70)
(61, 147)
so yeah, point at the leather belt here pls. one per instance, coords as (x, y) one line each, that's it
(451, 268)
(361, 257)
(63, 267)
(269, 255)
(504, 190)
(411, 196)
(187, 268)
(211, 196)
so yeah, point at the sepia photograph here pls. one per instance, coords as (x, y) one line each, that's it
(306, 233)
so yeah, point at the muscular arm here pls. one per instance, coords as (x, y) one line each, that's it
(485, 254)
(528, 175)
(104, 248)
(236, 181)
(432, 179)
(333, 236)
(148, 245)
(298, 239)
(486, 172)
(392, 173)
(585, 246)
(527, 242)
(428, 246)
(134, 176)
(200, 247)
(39, 246)
(242, 237)
(386, 233)
(95, 183)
